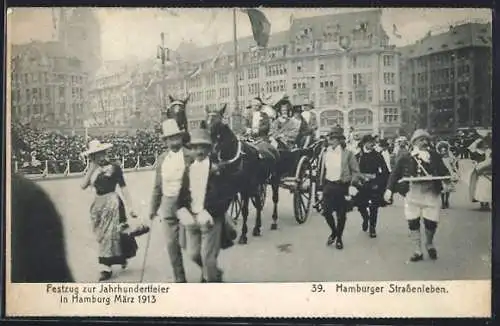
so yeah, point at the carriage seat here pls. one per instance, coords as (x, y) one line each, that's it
(265, 150)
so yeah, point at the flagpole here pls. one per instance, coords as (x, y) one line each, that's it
(235, 44)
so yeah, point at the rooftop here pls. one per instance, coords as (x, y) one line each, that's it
(457, 37)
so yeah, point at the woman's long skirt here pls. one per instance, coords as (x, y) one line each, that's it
(107, 212)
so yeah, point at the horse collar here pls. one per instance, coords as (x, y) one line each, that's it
(235, 158)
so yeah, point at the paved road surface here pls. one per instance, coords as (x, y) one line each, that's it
(295, 252)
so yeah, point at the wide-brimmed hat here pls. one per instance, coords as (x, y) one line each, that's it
(95, 146)
(420, 133)
(170, 128)
(200, 136)
(366, 139)
(336, 132)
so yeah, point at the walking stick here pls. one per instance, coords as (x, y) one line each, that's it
(146, 252)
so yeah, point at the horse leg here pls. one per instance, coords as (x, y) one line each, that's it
(244, 213)
(258, 219)
(276, 189)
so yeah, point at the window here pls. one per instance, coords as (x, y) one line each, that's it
(331, 118)
(391, 115)
(390, 78)
(360, 117)
(360, 95)
(322, 67)
(222, 77)
(388, 60)
(253, 72)
(389, 96)
(349, 97)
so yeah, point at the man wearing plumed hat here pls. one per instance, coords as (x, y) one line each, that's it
(422, 198)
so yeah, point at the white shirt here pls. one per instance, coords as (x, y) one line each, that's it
(256, 120)
(172, 171)
(387, 159)
(333, 163)
(198, 178)
(307, 116)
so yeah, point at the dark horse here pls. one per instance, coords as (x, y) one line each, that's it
(246, 170)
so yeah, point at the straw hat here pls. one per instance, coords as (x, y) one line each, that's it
(96, 146)
(419, 133)
(170, 128)
(200, 136)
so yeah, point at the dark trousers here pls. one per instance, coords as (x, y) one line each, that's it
(334, 201)
(369, 214)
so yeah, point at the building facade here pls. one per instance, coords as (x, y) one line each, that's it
(49, 80)
(46, 87)
(447, 79)
(343, 63)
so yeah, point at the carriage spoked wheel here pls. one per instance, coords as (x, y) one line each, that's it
(303, 192)
(262, 195)
(235, 207)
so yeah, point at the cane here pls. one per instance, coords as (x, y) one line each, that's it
(146, 252)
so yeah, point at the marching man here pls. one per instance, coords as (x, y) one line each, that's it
(422, 199)
(170, 173)
(203, 208)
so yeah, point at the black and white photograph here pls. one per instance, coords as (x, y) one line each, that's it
(249, 145)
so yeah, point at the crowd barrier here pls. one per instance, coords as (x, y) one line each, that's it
(50, 169)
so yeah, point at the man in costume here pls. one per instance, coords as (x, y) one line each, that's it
(339, 170)
(422, 198)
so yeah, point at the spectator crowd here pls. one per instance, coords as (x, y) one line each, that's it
(33, 146)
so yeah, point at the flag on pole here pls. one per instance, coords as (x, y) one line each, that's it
(261, 27)
(395, 31)
(219, 52)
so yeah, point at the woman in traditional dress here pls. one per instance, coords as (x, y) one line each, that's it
(451, 163)
(107, 211)
(480, 184)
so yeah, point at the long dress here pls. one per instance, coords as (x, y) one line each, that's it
(481, 190)
(107, 213)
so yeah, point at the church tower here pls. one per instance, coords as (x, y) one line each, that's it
(80, 34)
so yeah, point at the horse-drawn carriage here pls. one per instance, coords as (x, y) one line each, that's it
(301, 176)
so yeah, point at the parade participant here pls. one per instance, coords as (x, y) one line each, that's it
(170, 172)
(422, 197)
(287, 128)
(443, 148)
(400, 149)
(370, 196)
(260, 122)
(384, 151)
(107, 211)
(203, 209)
(339, 169)
(480, 183)
(309, 117)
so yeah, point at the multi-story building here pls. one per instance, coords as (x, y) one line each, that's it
(342, 62)
(49, 79)
(447, 79)
(46, 86)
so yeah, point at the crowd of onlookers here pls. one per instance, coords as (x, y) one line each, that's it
(32, 147)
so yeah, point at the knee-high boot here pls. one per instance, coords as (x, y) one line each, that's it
(373, 221)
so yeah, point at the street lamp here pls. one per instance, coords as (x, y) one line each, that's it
(163, 54)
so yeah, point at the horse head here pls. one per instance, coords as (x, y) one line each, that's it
(224, 140)
(177, 110)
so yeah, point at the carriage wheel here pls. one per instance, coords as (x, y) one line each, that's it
(235, 207)
(262, 195)
(303, 193)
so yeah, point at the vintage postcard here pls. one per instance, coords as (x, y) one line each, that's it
(249, 162)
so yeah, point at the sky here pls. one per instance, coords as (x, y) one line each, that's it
(131, 32)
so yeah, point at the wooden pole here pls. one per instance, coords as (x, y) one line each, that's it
(236, 110)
